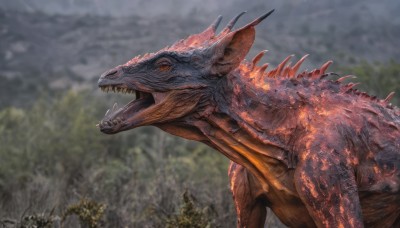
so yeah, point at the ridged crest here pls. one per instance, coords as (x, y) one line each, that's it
(258, 74)
(201, 40)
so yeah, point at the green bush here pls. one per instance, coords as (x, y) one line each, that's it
(53, 155)
(189, 216)
(88, 211)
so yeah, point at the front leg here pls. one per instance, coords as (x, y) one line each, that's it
(327, 186)
(248, 196)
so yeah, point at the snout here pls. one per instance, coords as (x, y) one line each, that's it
(110, 75)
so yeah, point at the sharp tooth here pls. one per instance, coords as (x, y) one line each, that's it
(107, 112)
(115, 106)
(98, 125)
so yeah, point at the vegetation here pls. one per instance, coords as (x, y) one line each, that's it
(190, 216)
(88, 211)
(52, 156)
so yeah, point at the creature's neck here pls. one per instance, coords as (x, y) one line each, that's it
(242, 125)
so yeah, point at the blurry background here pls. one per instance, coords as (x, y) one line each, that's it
(53, 160)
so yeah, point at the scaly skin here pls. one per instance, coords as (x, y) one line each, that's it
(315, 151)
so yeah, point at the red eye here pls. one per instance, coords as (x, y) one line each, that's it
(164, 64)
(164, 67)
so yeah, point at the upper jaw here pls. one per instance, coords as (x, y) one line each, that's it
(120, 119)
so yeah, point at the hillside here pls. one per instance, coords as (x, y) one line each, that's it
(45, 51)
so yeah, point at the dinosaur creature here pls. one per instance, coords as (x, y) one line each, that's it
(315, 150)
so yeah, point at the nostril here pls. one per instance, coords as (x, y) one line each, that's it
(112, 72)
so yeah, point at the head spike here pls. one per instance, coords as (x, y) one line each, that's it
(215, 24)
(257, 58)
(296, 66)
(389, 97)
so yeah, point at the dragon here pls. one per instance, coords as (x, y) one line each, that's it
(315, 150)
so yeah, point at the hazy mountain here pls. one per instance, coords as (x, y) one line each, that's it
(51, 44)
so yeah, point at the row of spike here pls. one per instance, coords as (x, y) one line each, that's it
(284, 69)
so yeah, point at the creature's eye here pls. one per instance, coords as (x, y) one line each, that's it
(164, 64)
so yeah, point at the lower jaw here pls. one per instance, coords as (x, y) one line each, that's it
(114, 122)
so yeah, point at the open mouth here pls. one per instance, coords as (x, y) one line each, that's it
(116, 118)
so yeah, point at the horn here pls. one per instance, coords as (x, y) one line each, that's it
(216, 23)
(232, 23)
(258, 20)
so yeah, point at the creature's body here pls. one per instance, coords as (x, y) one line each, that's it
(315, 151)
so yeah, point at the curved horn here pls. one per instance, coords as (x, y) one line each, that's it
(258, 20)
(232, 23)
(210, 31)
(216, 23)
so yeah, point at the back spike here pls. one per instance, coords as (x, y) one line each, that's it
(296, 66)
(350, 86)
(341, 79)
(257, 58)
(280, 67)
(263, 68)
(316, 73)
(389, 97)
(286, 70)
(272, 73)
(325, 66)
(260, 73)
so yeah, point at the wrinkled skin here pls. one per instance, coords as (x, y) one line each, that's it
(316, 151)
